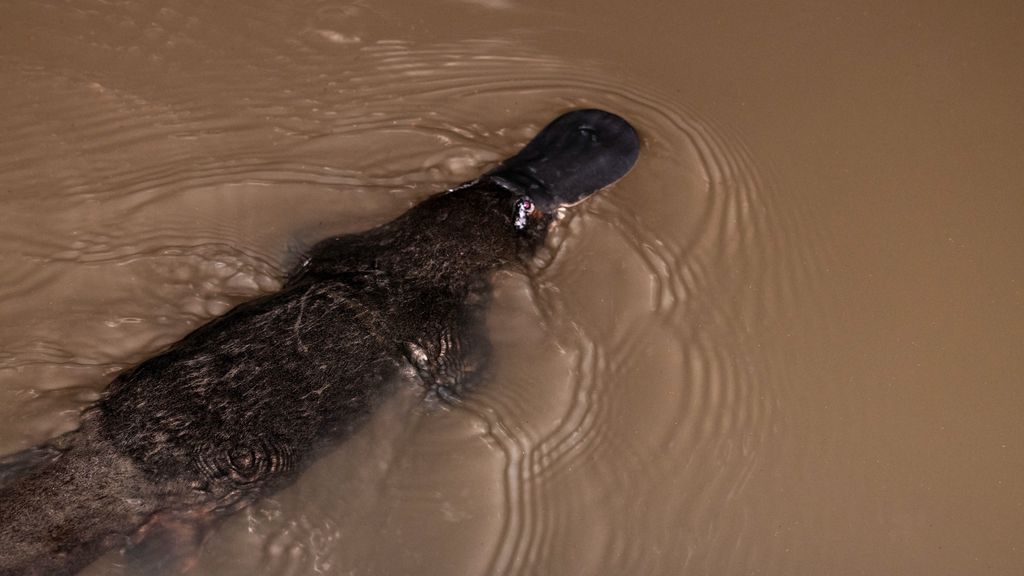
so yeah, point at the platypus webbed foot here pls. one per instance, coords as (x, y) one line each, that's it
(577, 154)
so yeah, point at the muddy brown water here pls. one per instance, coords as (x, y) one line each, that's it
(789, 342)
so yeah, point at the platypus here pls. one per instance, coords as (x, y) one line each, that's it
(235, 409)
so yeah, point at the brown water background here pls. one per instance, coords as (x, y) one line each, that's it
(789, 342)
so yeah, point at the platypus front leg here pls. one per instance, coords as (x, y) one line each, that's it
(452, 359)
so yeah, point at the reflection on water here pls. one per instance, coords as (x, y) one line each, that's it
(647, 409)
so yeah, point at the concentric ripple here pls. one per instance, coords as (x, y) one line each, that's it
(631, 393)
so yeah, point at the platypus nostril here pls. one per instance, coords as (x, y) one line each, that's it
(589, 132)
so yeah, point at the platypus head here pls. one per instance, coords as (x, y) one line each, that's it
(505, 214)
(577, 154)
(499, 218)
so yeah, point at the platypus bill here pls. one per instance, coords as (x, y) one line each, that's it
(238, 407)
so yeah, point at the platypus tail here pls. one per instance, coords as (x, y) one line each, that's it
(21, 463)
(63, 507)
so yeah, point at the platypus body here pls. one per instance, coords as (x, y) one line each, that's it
(236, 408)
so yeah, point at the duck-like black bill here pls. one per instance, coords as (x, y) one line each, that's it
(577, 154)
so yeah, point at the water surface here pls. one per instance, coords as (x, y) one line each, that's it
(786, 343)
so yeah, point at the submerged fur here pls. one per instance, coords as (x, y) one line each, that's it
(236, 408)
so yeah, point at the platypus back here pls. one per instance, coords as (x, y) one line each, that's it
(237, 407)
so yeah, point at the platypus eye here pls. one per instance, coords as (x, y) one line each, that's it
(524, 207)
